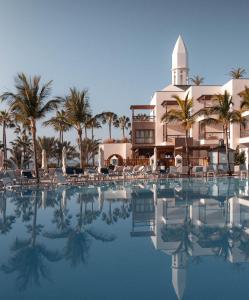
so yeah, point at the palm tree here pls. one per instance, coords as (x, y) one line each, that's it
(183, 116)
(244, 104)
(71, 151)
(77, 110)
(123, 123)
(224, 115)
(29, 103)
(48, 144)
(237, 73)
(92, 123)
(109, 118)
(59, 123)
(197, 80)
(6, 120)
(90, 149)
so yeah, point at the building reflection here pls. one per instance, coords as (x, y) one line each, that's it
(189, 220)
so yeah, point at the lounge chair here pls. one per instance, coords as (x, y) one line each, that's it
(198, 171)
(210, 171)
(173, 171)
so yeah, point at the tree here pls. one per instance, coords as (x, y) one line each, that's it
(48, 144)
(237, 73)
(77, 110)
(21, 151)
(184, 117)
(92, 123)
(123, 123)
(7, 121)
(71, 151)
(239, 157)
(244, 104)
(91, 148)
(29, 103)
(222, 112)
(197, 80)
(109, 118)
(59, 124)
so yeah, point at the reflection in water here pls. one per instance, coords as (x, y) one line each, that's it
(6, 221)
(186, 219)
(196, 219)
(78, 237)
(29, 256)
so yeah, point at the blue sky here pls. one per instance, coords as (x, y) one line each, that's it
(119, 50)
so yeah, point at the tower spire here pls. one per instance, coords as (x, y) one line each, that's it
(180, 63)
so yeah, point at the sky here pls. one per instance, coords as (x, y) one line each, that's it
(119, 50)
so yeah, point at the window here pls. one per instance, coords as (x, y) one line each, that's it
(181, 78)
(145, 136)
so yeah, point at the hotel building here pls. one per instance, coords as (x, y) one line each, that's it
(149, 133)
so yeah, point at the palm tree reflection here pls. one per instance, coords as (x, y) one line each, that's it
(6, 221)
(29, 256)
(79, 237)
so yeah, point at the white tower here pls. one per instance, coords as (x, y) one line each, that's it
(180, 63)
(179, 272)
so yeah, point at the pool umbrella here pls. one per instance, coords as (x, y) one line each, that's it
(44, 161)
(101, 158)
(64, 159)
(155, 160)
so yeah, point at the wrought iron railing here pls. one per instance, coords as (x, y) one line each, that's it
(244, 133)
(211, 135)
(143, 118)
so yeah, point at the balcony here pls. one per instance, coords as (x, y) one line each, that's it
(244, 133)
(211, 135)
(143, 118)
(171, 137)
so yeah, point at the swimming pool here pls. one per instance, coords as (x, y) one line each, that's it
(170, 239)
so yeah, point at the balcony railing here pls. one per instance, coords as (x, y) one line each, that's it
(143, 118)
(142, 140)
(211, 135)
(172, 137)
(244, 133)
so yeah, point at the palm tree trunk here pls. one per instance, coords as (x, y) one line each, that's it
(92, 134)
(34, 223)
(123, 132)
(33, 129)
(4, 146)
(110, 130)
(81, 148)
(187, 151)
(85, 132)
(62, 137)
(227, 152)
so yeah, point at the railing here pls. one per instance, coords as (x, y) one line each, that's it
(143, 118)
(142, 140)
(132, 162)
(172, 137)
(211, 135)
(244, 133)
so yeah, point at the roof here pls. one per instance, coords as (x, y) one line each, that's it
(142, 106)
(175, 88)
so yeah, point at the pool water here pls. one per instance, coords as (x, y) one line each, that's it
(168, 239)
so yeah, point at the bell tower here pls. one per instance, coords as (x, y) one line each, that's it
(180, 63)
